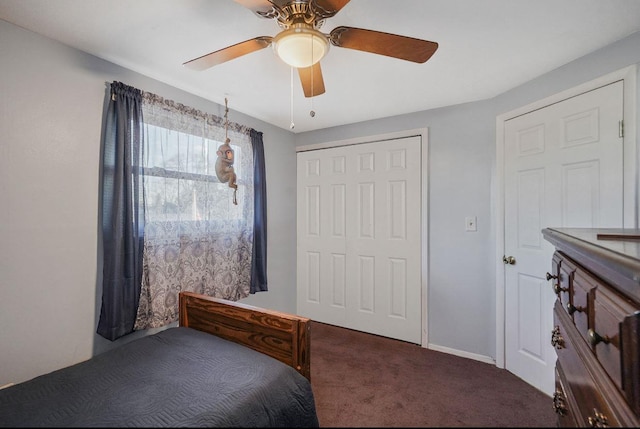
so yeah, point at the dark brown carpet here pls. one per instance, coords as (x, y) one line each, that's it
(360, 380)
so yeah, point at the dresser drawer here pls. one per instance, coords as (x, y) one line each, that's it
(590, 393)
(575, 292)
(605, 335)
(615, 324)
(608, 322)
(581, 305)
(563, 284)
(555, 266)
(579, 384)
(563, 403)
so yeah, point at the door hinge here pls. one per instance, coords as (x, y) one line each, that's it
(621, 129)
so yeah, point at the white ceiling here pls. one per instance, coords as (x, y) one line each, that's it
(485, 48)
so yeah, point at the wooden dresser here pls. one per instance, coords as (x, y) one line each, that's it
(595, 274)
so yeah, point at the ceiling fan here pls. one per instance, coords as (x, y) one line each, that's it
(301, 45)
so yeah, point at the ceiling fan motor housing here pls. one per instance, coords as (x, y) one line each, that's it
(300, 12)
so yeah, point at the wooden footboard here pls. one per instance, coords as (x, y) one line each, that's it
(283, 336)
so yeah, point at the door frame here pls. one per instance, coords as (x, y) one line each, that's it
(630, 191)
(423, 133)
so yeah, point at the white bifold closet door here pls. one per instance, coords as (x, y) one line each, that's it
(359, 237)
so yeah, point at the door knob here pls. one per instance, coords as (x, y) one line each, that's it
(509, 260)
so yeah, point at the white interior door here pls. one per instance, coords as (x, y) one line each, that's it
(359, 237)
(563, 168)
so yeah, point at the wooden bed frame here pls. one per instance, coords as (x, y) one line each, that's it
(283, 336)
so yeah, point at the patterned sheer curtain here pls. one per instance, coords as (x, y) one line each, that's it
(195, 238)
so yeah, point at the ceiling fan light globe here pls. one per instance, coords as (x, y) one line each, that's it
(301, 47)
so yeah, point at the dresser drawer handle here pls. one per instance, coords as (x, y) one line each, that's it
(557, 289)
(595, 338)
(572, 309)
(556, 339)
(559, 404)
(598, 420)
(551, 276)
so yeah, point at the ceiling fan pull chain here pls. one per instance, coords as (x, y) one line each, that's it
(292, 126)
(311, 112)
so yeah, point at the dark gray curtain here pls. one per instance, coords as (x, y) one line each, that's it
(259, 259)
(121, 194)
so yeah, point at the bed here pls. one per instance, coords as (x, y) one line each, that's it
(226, 364)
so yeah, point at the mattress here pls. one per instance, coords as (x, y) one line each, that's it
(177, 377)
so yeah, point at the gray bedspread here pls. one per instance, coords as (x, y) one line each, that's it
(178, 377)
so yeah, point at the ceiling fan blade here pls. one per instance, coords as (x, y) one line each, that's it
(331, 6)
(377, 42)
(229, 53)
(311, 79)
(262, 8)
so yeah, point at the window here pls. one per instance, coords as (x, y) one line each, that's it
(195, 237)
(168, 223)
(180, 174)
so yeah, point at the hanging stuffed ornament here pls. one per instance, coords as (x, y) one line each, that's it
(224, 163)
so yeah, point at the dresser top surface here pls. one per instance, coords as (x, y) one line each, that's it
(611, 253)
(623, 241)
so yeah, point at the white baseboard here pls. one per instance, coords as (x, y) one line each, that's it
(481, 358)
